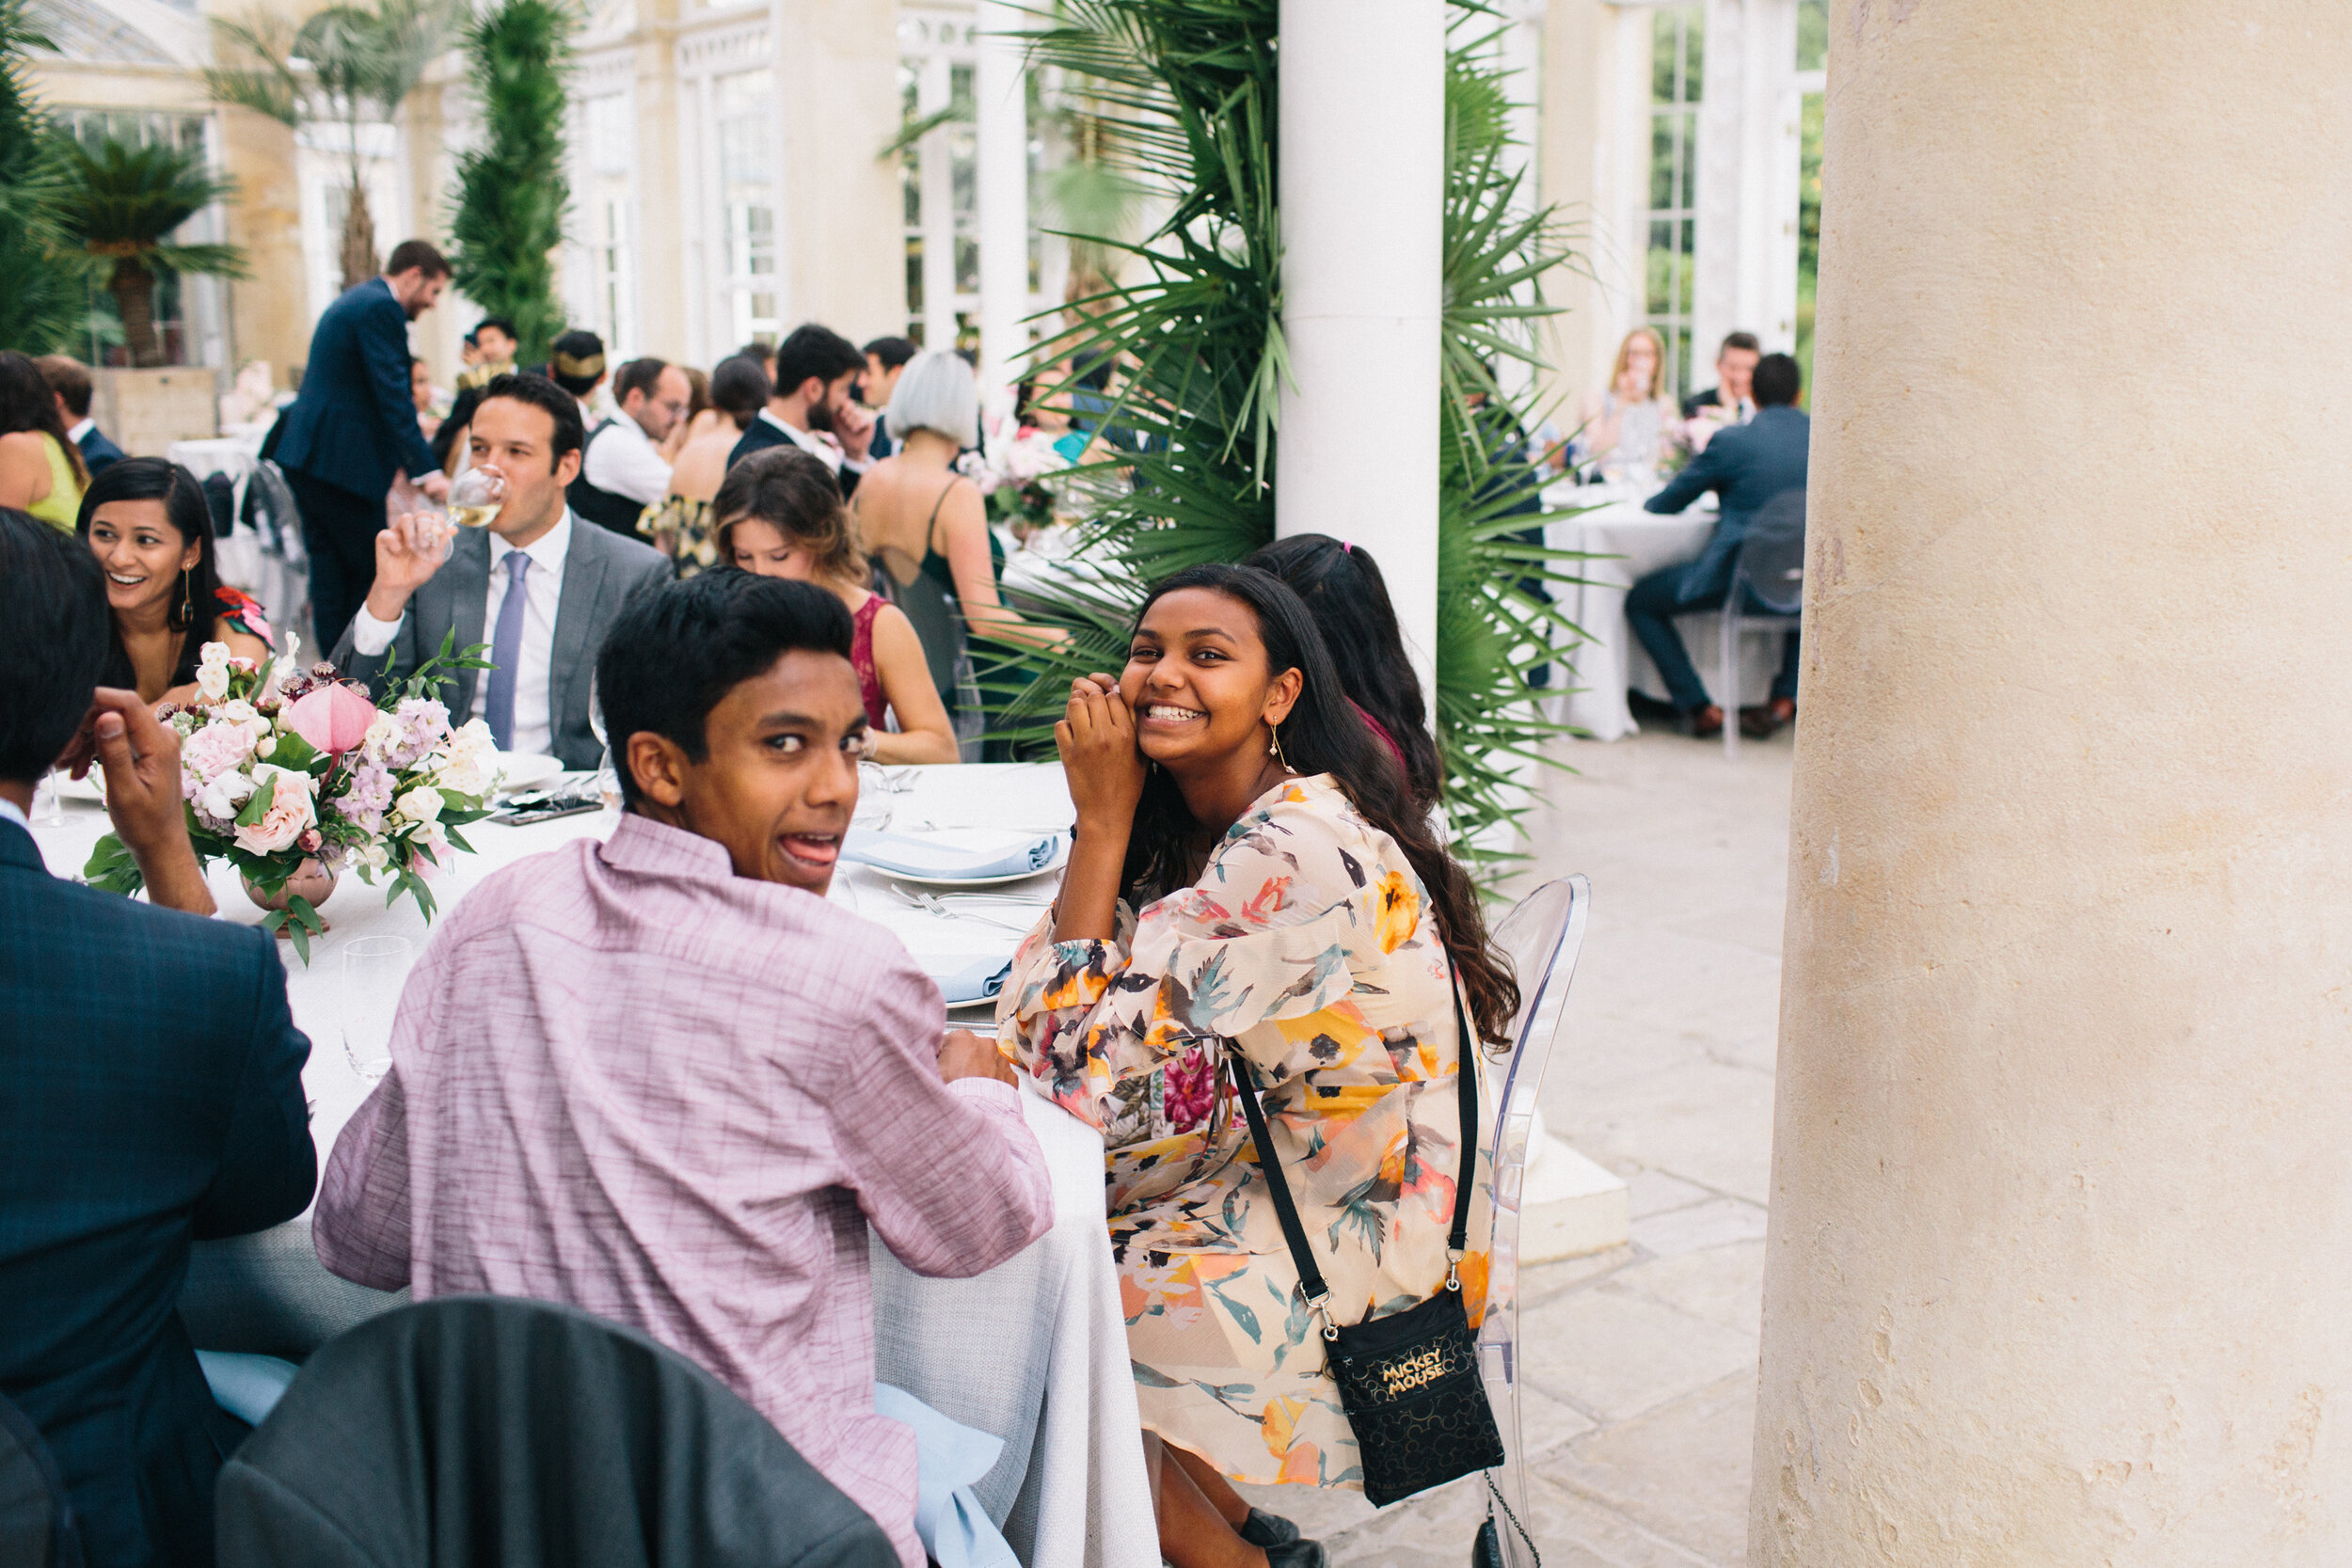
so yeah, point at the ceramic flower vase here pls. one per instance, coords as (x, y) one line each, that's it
(310, 880)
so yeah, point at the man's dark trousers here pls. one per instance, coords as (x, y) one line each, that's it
(339, 528)
(1650, 607)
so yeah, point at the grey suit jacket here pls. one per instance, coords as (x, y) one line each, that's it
(601, 572)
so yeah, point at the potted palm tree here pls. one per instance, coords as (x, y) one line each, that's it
(122, 208)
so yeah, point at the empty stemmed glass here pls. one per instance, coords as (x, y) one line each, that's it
(375, 969)
(608, 777)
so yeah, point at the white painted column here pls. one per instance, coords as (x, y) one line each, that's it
(932, 90)
(1362, 185)
(1000, 89)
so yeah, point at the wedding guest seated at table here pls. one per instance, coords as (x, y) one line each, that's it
(1745, 465)
(1251, 877)
(145, 520)
(1627, 427)
(150, 1087)
(538, 585)
(781, 514)
(662, 1079)
(1342, 589)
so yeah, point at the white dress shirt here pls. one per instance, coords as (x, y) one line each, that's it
(621, 459)
(80, 430)
(825, 449)
(543, 590)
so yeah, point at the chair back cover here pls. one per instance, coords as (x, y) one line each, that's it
(472, 1431)
(37, 1528)
(1543, 934)
(1772, 557)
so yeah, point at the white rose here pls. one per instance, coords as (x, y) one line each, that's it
(421, 804)
(374, 855)
(223, 796)
(292, 812)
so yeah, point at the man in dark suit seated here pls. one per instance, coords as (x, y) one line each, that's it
(151, 1088)
(69, 380)
(1747, 465)
(813, 408)
(1734, 391)
(354, 427)
(539, 584)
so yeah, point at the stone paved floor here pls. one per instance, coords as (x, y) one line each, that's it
(1641, 1360)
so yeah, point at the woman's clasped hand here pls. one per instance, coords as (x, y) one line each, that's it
(1099, 754)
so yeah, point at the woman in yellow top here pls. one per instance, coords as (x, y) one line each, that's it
(1252, 881)
(40, 472)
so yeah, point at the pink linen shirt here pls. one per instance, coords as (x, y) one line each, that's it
(626, 1078)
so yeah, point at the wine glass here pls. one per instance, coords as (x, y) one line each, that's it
(48, 799)
(608, 777)
(475, 496)
(375, 969)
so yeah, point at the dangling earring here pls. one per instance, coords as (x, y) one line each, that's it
(184, 616)
(1274, 746)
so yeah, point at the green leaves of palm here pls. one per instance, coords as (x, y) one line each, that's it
(512, 191)
(124, 202)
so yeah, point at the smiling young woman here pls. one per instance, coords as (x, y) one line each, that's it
(1252, 882)
(146, 521)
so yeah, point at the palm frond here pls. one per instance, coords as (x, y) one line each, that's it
(512, 190)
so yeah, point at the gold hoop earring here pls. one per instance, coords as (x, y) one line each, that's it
(1274, 746)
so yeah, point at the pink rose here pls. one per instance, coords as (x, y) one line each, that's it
(215, 749)
(333, 719)
(290, 812)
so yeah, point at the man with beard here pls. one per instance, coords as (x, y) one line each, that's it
(353, 426)
(811, 406)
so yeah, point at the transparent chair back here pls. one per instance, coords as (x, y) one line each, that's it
(1767, 592)
(1542, 934)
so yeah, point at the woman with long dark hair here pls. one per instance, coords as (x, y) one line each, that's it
(1342, 589)
(146, 520)
(41, 470)
(1252, 879)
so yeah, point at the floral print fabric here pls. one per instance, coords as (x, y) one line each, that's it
(1307, 945)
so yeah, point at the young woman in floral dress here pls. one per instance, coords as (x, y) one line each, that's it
(1252, 879)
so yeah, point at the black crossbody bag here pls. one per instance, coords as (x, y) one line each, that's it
(1409, 1381)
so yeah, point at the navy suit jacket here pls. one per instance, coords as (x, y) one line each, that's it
(1745, 465)
(763, 434)
(354, 425)
(150, 1093)
(97, 452)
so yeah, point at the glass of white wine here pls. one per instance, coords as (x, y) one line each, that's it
(475, 496)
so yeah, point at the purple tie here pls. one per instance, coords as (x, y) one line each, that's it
(506, 652)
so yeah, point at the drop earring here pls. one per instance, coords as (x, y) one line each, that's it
(1274, 746)
(185, 616)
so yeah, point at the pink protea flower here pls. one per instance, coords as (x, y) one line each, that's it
(334, 718)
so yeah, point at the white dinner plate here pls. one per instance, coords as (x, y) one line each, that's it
(523, 771)
(950, 883)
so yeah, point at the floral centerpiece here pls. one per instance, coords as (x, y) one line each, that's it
(290, 778)
(1014, 476)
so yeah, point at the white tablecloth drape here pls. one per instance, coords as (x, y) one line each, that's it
(1610, 660)
(1033, 1351)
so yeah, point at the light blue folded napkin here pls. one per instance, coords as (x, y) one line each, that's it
(925, 857)
(962, 978)
(949, 1459)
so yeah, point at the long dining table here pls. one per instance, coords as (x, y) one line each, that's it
(1033, 1351)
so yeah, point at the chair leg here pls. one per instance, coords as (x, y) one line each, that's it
(1727, 674)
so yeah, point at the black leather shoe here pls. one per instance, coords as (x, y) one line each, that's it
(1297, 1554)
(1267, 1529)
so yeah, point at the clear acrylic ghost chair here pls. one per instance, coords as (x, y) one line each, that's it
(1766, 592)
(1542, 934)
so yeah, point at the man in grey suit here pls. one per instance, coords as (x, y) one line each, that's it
(538, 585)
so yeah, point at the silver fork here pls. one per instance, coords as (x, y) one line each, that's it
(930, 904)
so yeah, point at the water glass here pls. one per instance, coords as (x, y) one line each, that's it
(608, 777)
(48, 799)
(375, 969)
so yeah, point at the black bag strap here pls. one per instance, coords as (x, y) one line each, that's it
(1311, 1281)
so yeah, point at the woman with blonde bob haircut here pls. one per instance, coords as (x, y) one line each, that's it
(781, 515)
(1629, 425)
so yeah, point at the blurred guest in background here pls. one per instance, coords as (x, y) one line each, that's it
(145, 520)
(353, 427)
(1626, 428)
(1745, 465)
(810, 406)
(622, 473)
(1731, 400)
(150, 1089)
(884, 358)
(681, 527)
(493, 342)
(576, 363)
(421, 392)
(42, 470)
(781, 515)
(70, 380)
(700, 416)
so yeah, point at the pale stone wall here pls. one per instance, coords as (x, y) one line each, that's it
(837, 102)
(2061, 1238)
(271, 308)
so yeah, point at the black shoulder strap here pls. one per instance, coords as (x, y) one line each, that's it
(1310, 1282)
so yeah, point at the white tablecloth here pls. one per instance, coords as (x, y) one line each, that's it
(1610, 660)
(1033, 1351)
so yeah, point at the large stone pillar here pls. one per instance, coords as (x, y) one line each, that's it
(1363, 191)
(2061, 1233)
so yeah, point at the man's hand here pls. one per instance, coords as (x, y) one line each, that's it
(965, 1054)
(435, 486)
(406, 555)
(853, 424)
(140, 755)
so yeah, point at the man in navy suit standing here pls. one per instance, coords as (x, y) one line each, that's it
(151, 1088)
(354, 427)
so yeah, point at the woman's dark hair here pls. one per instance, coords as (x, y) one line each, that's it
(1324, 735)
(678, 649)
(738, 388)
(1342, 589)
(196, 594)
(26, 403)
(795, 493)
(54, 629)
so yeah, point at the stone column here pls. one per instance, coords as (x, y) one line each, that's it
(1363, 187)
(2062, 1234)
(1001, 108)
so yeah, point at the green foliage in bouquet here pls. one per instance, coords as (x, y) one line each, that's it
(278, 772)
